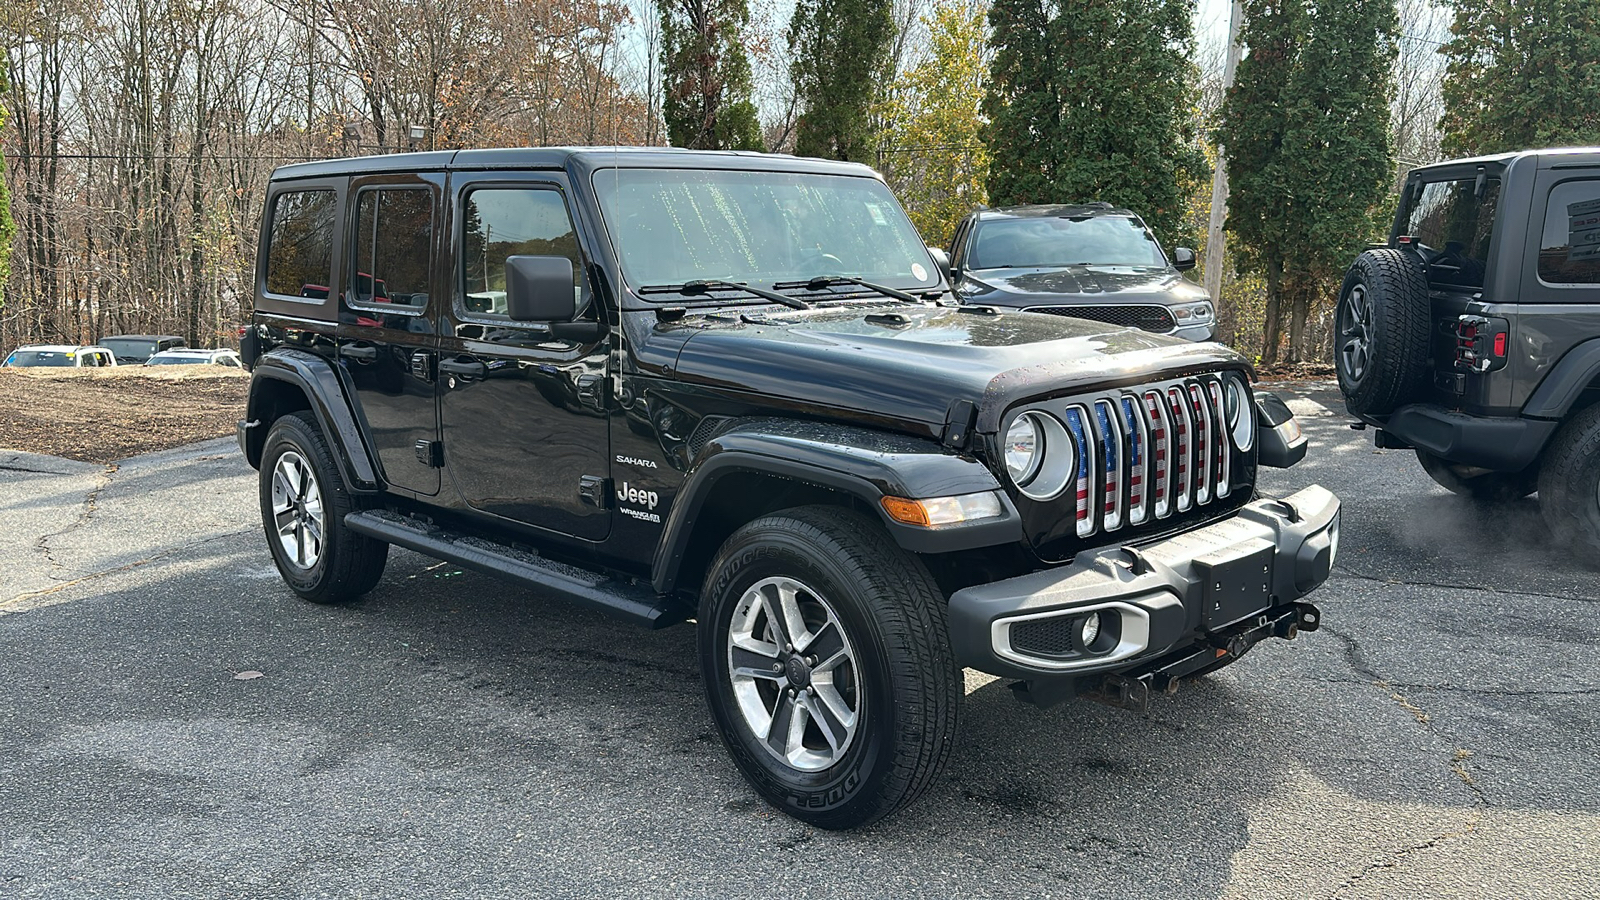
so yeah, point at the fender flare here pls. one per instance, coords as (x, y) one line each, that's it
(862, 462)
(325, 392)
(1576, 371)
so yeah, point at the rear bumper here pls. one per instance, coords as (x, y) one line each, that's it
(1199, 589)
(1502, 443)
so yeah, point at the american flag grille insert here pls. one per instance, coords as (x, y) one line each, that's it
(1146, 453)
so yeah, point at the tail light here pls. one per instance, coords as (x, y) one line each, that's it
(1481, 343)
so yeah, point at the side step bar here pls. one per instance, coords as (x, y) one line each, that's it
(525, 567)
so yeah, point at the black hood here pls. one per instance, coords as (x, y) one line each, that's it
(912, 362)
(1079, 284)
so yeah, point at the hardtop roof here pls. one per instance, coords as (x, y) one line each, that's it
(585, 158)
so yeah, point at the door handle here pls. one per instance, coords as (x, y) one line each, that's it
(363, 352)
(464, 367)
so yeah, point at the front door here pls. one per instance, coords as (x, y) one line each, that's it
(387, 339)
(524, 412)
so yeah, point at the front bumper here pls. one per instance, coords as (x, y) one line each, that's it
(1201, 588)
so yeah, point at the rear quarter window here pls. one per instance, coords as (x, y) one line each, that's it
(300, 248)
(1569, 250)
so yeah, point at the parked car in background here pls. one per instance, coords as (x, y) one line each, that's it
(1473, 335)
(196, 357)
(60, 356)
(1089, 261)
(136, 348)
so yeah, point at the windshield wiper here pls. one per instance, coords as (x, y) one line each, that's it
(701, 288)
(822, 281)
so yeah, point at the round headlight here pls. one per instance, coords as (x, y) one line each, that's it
(1024, 448)
(1241, 414)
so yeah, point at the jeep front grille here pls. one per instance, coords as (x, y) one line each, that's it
(1145, 317)
(1144, 454)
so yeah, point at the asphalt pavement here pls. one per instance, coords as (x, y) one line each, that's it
(449, 736)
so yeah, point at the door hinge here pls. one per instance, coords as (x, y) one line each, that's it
(595, 491)
(430, 454)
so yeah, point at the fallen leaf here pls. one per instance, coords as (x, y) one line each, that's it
(246, 676)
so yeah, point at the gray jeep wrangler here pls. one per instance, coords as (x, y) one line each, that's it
(1474, 336)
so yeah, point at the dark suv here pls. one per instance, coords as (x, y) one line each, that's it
(1474, 336)
(734, 388)
(1088, 261)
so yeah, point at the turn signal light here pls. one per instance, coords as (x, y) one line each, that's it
(936, 511)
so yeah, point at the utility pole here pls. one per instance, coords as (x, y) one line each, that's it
(1219, 178)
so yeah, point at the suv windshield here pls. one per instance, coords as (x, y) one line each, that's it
(672, 226)
(40, 358)
(1045, 241)
(173, 359)
(1451, 218)
(128, 348)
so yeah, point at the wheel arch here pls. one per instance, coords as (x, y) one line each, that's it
(284, 381)
(760, 467)
(1572, 384)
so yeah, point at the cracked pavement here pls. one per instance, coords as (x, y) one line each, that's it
(449, 736)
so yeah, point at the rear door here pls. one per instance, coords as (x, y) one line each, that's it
(387, 313)
(524, 413)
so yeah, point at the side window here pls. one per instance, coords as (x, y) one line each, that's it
(1569, 252)
(503, 222)
(393, 249)
(300, 252)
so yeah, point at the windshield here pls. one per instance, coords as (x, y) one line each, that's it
(41, 358)
(671, 226)
(161, 359)
(1057, 241)
(127, 348)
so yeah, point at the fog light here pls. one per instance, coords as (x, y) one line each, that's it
(1089, 631)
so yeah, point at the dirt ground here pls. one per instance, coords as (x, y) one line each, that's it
(102, 415)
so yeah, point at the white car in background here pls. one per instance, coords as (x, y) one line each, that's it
(228, 358)
(60, 356)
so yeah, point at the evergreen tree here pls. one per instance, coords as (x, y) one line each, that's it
(840, 50)
(1522, 74)
(705, 74)
(1305, 129)
(1092, 101)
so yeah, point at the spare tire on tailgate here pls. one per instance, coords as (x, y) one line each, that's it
(1380, 347)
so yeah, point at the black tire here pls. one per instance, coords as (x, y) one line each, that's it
(1381, 332)
(1569, 485)
(902, 676)
(346, 565)
(1477, 484)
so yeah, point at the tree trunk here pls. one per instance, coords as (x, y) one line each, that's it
(1300, 309)
(1273, 325)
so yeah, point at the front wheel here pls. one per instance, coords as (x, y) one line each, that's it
(1569, 485)
(303, 505)
(828, 666)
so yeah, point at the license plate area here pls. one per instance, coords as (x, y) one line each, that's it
(1236, 582)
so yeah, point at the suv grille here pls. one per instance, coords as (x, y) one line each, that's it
(1144, 454)
(1143, 317)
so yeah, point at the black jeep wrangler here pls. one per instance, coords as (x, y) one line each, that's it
(737, 389)
(1474, 336)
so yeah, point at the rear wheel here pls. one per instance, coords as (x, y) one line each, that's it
(1569, 485)
(303, 505)
(1381, 343)
(828, 667)
(1479, 484)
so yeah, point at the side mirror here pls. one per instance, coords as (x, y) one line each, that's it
(1183, 259)
(942, 260)
(539, 289)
